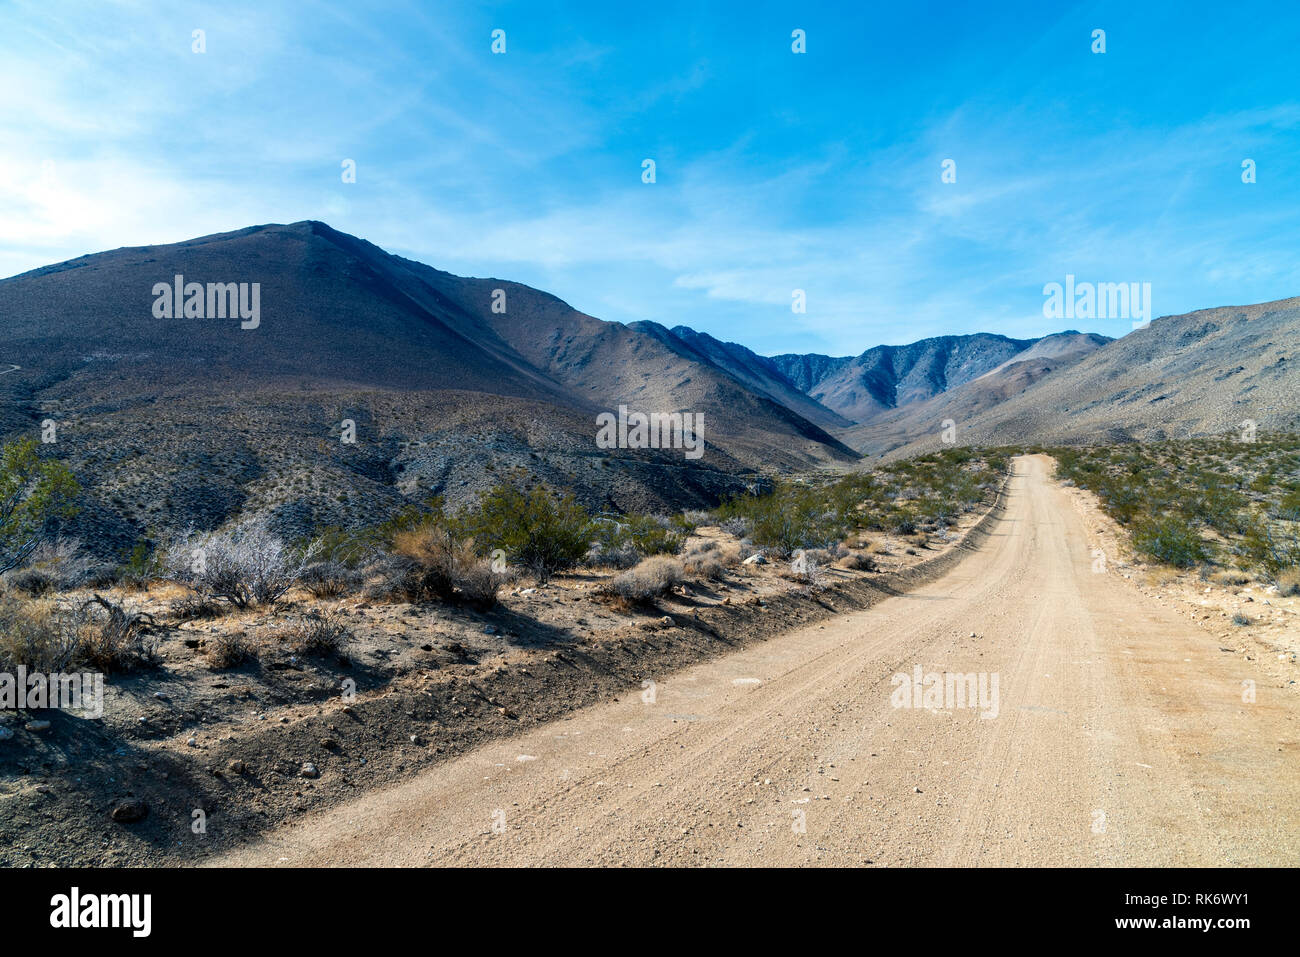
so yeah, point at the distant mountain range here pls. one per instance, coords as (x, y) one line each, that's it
(451, 382)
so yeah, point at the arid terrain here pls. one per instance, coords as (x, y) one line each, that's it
(746, 716)
(371, 557)
(1121, 738)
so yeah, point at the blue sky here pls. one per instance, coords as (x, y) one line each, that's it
(775, 171)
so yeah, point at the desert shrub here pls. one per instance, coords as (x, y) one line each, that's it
(477, 581)
(356, 548)
(141, 566)
(32, 581)
(1288, 583)
(538, 530)
(100, 634)
(903, 523)
(115, 638)
(644, 535)
(650, 579)
(38, 635)
(194, 606)
(603, 555)
(244, 566)
(858, 562)
(708, 567)
(737, 525)
(329, 579)
(790, 517)
(1230, 577)
(1273, 549)
(35, 493)
(317, 633)
(229, 650)
(805, 567)
(1288, 507)
(1170, 540)
(430, 563)
(1240, 620)
(705, 560)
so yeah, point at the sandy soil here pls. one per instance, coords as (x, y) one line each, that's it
(1121, 737)
(227, 748)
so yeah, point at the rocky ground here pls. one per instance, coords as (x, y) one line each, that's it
(1269, 632)
(190, 758)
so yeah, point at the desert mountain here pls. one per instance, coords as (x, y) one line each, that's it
(897, 427)
(883, 378)
(1202, 373)
(173, 420)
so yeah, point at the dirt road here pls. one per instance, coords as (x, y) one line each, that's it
(1118, 736)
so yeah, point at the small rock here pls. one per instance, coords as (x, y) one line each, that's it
(755, 559)
(309, 770)
(916, 790)
(40, 725)
(193, 742)
(131, 809)
(237, 766)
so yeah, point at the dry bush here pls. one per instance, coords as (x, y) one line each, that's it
(1231, 577)
(244, 566)
(737, 525)
(193, 607)
(318, 633)
(100, 634)
(857, 562)
(115, 638)
(1288, 582)
(705, 560)
(38, 635)
(650, 579)
(329, 579)
(805, 568)
(229, 650)
(429, 563)
(57, 565)
(32, 581)
(604, 555)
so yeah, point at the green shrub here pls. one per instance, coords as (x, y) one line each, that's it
(141, 566)
(646, 534)
(1170, 540)
(537, 529)
(34, 494)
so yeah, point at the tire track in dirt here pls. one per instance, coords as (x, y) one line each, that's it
(790, 752)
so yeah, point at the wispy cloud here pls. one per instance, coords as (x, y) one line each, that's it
(774, 173)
